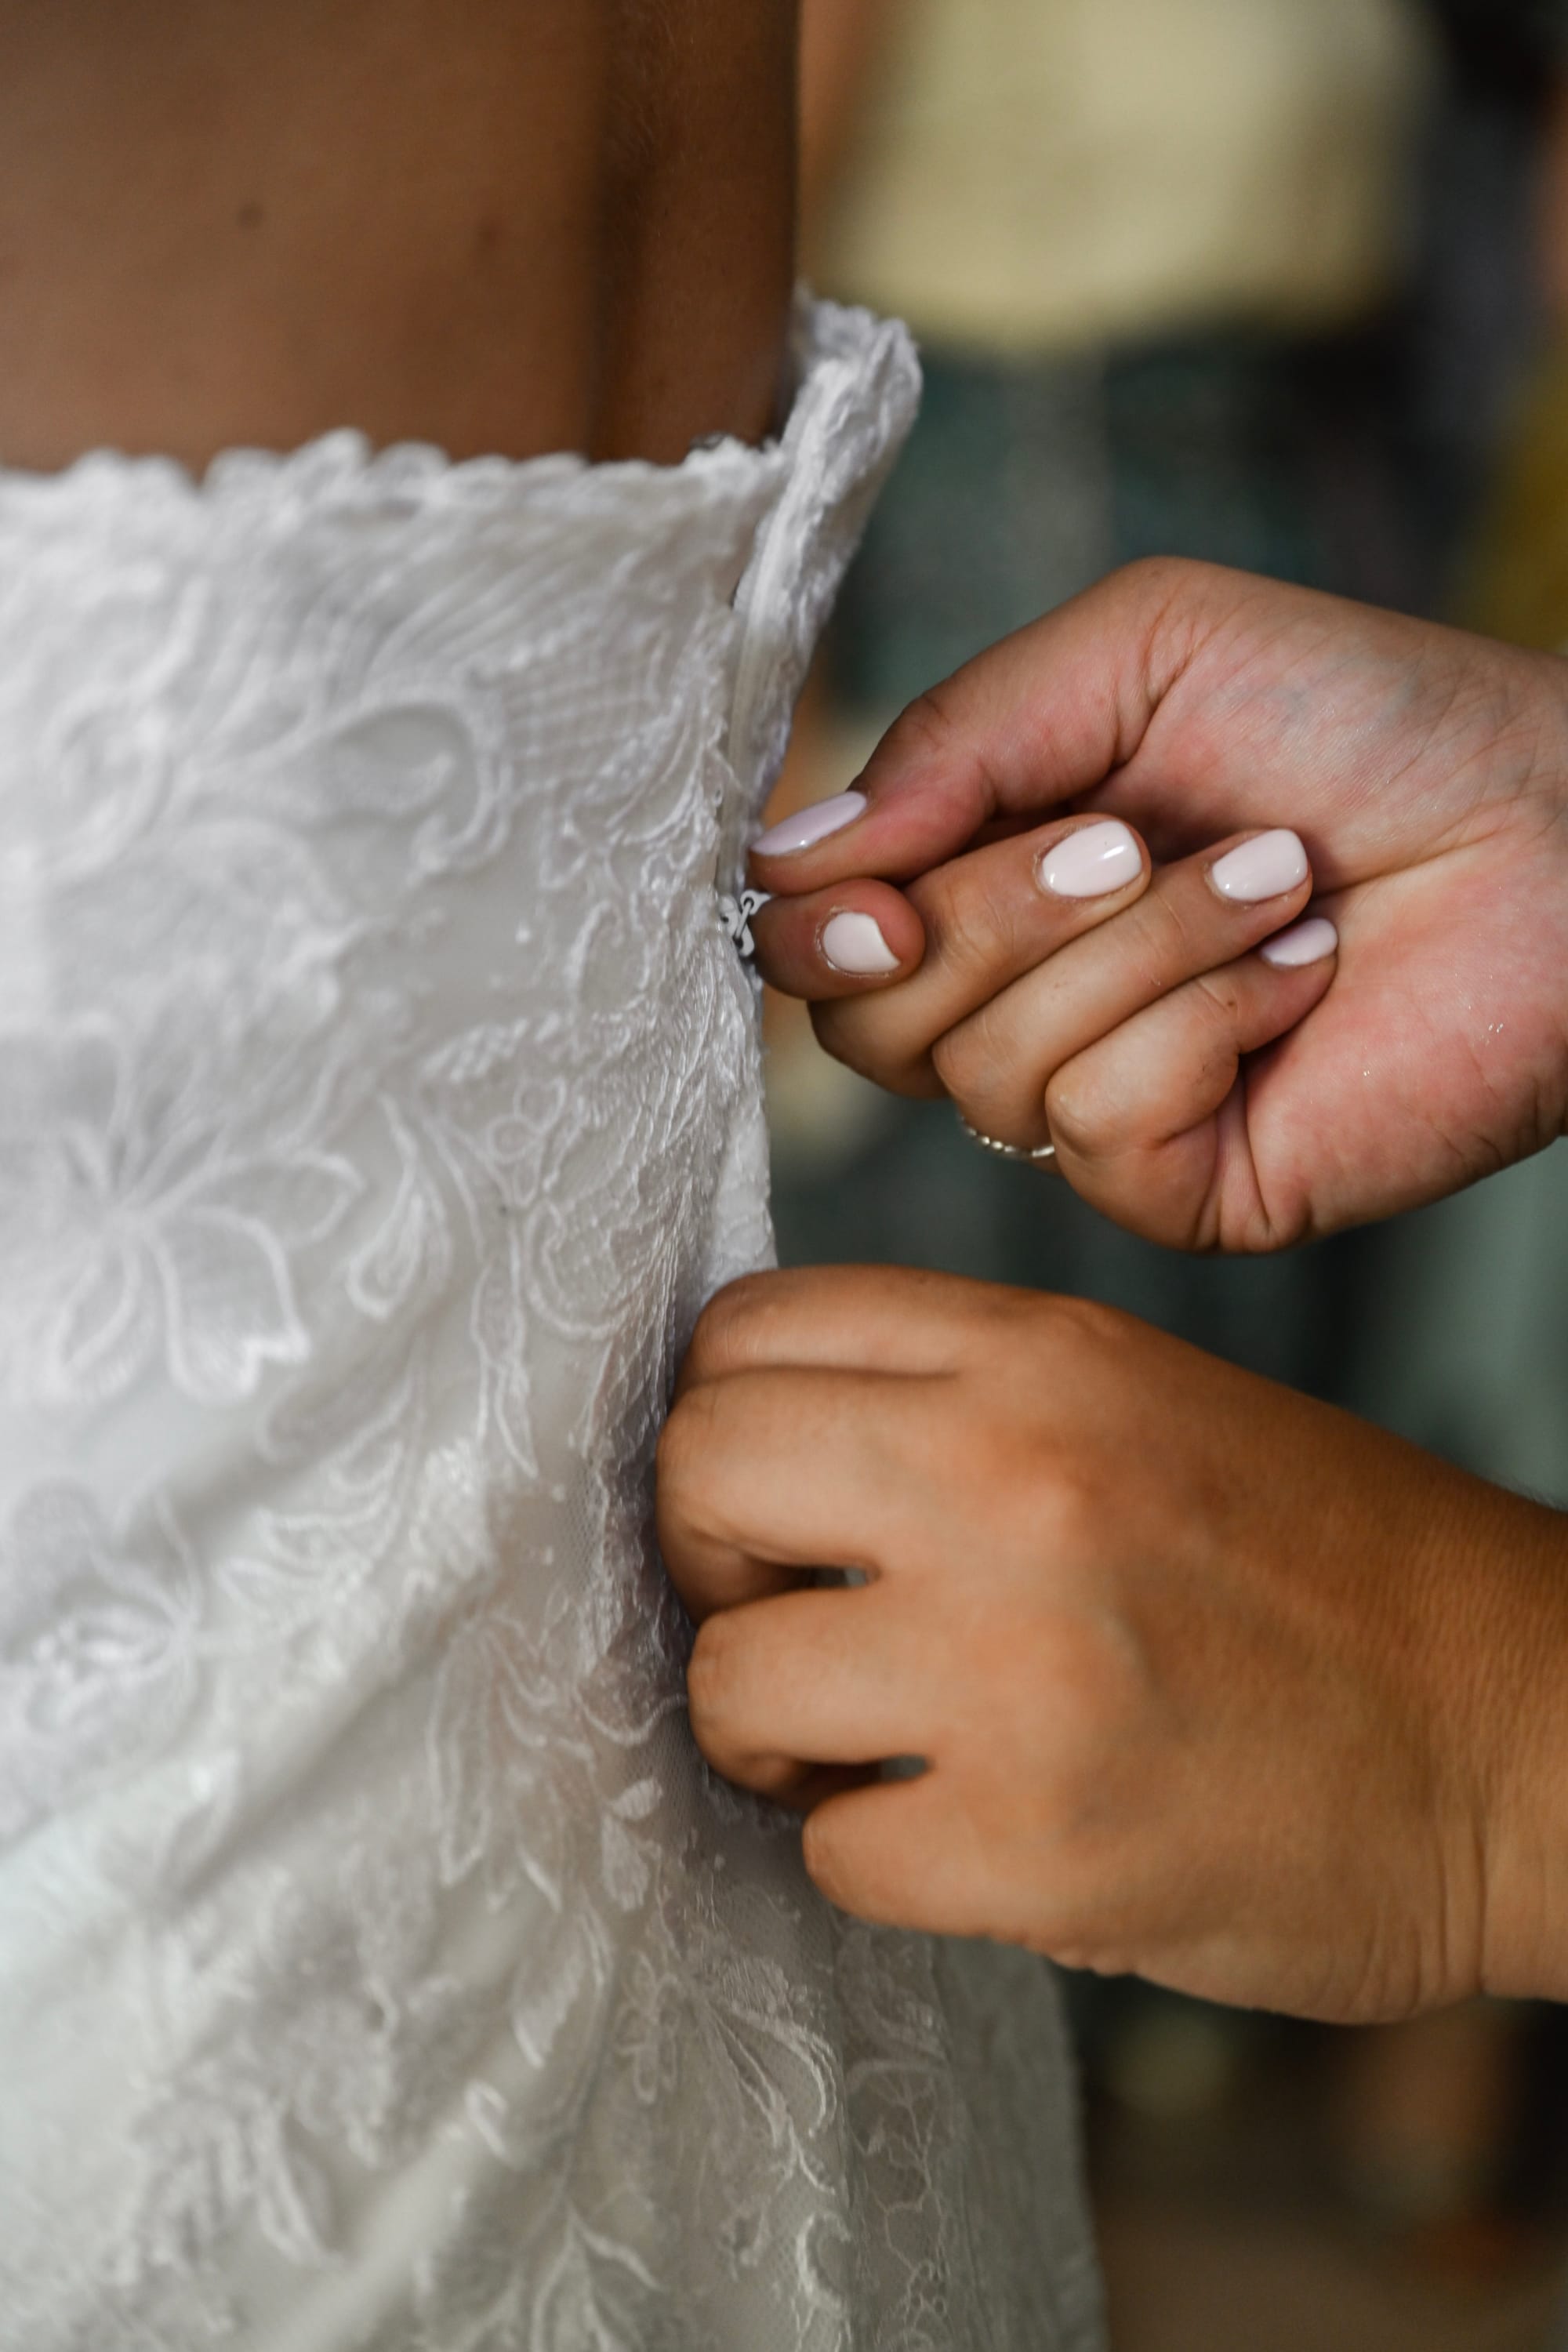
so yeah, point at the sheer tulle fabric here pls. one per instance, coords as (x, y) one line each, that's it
(379, 1103)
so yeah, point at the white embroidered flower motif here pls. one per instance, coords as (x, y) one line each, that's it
(100, 1651)
(511, 1757)
(130, 1225)
(362, 811)
(567, 2287)
(338, 2030)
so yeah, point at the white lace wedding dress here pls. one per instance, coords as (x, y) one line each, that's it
(379, 1102)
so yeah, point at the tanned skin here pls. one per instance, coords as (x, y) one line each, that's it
(502, 225)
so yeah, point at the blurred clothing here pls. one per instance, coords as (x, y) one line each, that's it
(1039, 174)
(1504, 40)
(1141, 241)
(1144, 242)
(1518, 584)
(1462, 1339)
(910, 1190)
(1251, 280)
(1026, 479)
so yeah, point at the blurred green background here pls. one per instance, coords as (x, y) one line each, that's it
(1282, 284)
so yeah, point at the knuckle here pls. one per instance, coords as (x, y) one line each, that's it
(1090, 1322)
(968, 1058)
(1170, 603)
(1076, 1111)
(965, 916)
(1158, 576)
(1011, 1324)
(1166, 938)
(827, 1862)
(1094, 1114)
(1047, 1515)
(715, 1672)
(1221, 999)
(718, 1343)
(954, 1060)
(1168, 596)
(1100, 1105)
(1073, 1511)
(1089, 1335)
(686, 1445)
(927, 728)
(1218, 1009)
(944, 1459)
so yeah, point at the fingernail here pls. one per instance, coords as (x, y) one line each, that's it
(1306, 942)
(854, 944)
(1092, 862)
(1264, 868)
(810, 825)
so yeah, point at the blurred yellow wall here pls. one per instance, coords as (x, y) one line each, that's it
(1037, 174)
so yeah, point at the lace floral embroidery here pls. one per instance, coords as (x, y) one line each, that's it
(378, 1103)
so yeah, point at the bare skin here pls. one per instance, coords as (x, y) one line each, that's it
(1203, 1098)
(503, 225)
(841, 45)
(1213, 1684)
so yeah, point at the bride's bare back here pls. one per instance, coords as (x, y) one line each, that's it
(504, 225)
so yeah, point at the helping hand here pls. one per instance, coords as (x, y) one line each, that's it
(1425, 771)
(1213, 1683)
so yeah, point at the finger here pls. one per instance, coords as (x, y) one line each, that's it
(805, 1680)
(900, 1854)
(768, 1474)
(802, 1787)
(862, 938)
(1045, 715)
(1135, 1117)
(870, 1318)
(988, 919)
(1196, 917)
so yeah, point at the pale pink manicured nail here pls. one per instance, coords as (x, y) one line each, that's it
(810, 825)
(1306, 942)
(1264, 868)
(854, 943)
(1092, 862)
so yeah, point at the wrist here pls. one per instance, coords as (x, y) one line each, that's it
(1553, 772)
(1524, 1837)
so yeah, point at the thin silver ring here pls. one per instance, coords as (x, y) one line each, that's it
(1047, 1152)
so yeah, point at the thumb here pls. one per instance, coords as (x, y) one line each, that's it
(1038, 719)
